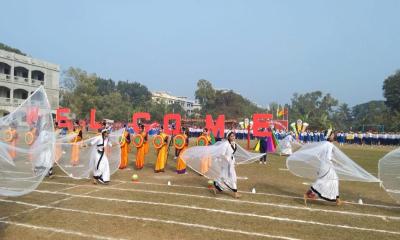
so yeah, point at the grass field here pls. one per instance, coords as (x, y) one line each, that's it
(63, 208)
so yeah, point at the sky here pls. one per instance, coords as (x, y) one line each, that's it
(264, 50)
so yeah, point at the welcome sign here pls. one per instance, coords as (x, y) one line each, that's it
(261, 122)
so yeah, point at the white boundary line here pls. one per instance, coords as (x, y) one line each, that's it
(282, 219)
(384, 217)
(247, 192)
(142, 219)
(59, 230)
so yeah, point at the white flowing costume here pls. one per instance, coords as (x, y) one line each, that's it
(327, 184)
(24, 160)
(324, 163)
(45, 142)
(389, 173)
(285, 145)
(227, 176)
(101, 169)
(221, 159)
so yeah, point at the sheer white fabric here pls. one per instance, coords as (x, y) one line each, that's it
(87, 151)
(27, 145)
(314, 160)
(288, 145)
(214, 161)
(389, 173)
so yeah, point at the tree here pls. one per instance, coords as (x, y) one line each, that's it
(112, 106)
(205, 93)
(314, 108)
(80, 92)
(372, 113)
(105, 87)
(11, 49)
(135, 93)
(342, 117)
(157, 111)
(391, 91)
(176, 108)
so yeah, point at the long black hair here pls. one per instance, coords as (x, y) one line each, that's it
(229, 134)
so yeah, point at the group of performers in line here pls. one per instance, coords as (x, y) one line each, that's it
(162, 143)
(325, 187)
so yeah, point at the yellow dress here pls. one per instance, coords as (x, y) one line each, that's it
(75, 147)
(205, 163)
(180, 164)
(13, 142)
(124, 150)
(162, 155)
(141, 151)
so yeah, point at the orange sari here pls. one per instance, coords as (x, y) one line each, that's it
(205, 163)
(124, 150)
(162, 155)
(141, 151)
(75, 147)
(13, 142)
(180, 164)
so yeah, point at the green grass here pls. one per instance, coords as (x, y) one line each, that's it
(282, 199)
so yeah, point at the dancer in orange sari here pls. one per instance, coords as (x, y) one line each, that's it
(125, 141)
(75, 147)
(162, 153)
(141, 151)
(180, 164)
(58, 146)
(12, 140)
(206, 161)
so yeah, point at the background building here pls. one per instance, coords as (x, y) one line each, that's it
(20, 76)
(188, 105)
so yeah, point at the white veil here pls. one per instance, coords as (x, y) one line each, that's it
(312, 160)
(389, 173)
(27, 145)
(209, 160)
(83, 168)
(288, 145)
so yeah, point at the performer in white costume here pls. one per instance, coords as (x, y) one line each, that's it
(327, 184)
(44, 146)
(227, 178)
(101, 171)
(286, 145)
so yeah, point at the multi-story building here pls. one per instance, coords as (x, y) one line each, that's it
(188, 105)
(20, 76)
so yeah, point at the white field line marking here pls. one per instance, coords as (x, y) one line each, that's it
(248, 192)
(68, 188)
(242, 178)
(33, 209)
(384, 217)
(283, 219)
(159, 220)
(59, 230)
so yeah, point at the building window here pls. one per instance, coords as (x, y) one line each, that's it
(5, 68)
(21, 72)
(37, 75)
(5, 92)
(20, 94)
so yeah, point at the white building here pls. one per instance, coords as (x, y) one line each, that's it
(188, 105)
(20, 76)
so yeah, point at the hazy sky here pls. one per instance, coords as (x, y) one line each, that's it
(265, 50)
